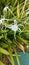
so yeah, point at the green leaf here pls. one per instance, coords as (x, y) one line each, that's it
(11, 57)
(4, 51)
(18, 61)
(21, 47)
(19, 39)
(1, 63)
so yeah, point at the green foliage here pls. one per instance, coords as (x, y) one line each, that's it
(4, 51)
(1, 63)
(17, 11)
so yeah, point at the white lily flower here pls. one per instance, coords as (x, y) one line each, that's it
(15, 26)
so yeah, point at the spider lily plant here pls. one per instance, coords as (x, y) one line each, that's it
(14, 29)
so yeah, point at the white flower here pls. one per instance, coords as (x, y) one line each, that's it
(14, 27)
(5, 9)
(2, 20)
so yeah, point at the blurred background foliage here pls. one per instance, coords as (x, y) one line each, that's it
(4, 3)
(18, 9)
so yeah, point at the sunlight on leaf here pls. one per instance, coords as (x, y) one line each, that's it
(4, 51)
(1, 63)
